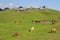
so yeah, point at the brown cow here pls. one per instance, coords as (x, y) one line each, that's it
(16, 34)
(53, 30)
(20, 21)
(37, 21)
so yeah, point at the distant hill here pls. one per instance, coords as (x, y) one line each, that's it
(10, 15)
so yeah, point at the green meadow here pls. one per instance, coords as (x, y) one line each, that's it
(10, 23)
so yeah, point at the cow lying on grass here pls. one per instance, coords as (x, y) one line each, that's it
(16, 34)
(53, 30)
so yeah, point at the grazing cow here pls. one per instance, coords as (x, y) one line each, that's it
(20, 21)
(16, 34)
(37, 21)
(53, 30)
(31, 29)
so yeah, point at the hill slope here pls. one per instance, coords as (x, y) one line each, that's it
(21, 21)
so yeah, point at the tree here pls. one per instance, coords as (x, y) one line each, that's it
(44, 6)
(20, 7)
(6, 8)
(1, 9)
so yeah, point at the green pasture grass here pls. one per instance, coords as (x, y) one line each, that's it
(41, 32)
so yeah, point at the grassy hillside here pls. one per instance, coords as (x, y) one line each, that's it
(10, 23)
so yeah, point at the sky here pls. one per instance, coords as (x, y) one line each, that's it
(53, 4)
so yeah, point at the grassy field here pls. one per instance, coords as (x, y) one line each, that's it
(9, 24)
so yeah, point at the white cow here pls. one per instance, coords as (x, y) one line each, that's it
(32, 29)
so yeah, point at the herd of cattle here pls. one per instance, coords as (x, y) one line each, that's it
(53, 30)
(52, 21)
(44, 21)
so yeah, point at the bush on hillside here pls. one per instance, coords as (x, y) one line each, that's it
(6, 8)
(1, 9)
